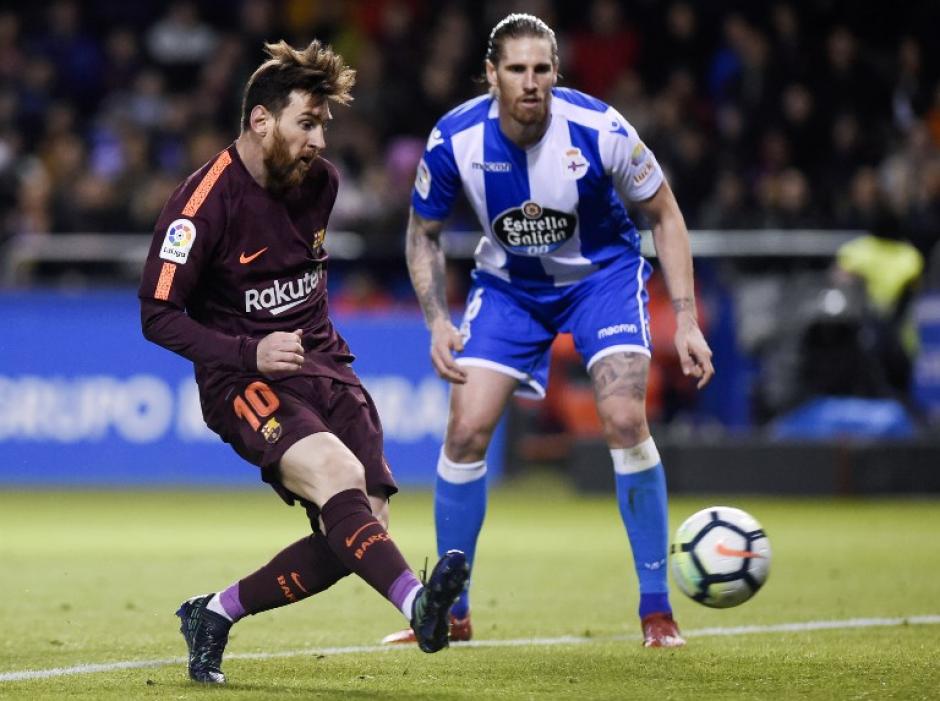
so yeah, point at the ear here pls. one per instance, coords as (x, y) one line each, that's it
(490, 73)
(260, 120)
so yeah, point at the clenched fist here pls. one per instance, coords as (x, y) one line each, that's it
(280, 353)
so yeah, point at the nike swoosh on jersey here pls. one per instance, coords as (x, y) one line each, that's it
(245, 260)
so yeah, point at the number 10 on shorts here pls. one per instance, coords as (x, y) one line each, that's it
(259, 402)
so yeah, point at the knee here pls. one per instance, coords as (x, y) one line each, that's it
(319, 467)
(466, 440)
(380, 509)
(625, 426)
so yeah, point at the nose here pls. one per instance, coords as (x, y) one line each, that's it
(528, 82)
(316, 139)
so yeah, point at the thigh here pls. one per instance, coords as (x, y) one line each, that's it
(261, 419)
(354, 419)
(480, 402)
(502, 335)
(608, 313)
(619, 382)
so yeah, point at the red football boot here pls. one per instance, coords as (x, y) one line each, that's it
(460, 631)
(660, 630)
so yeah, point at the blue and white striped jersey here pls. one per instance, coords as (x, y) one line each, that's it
(552, 213)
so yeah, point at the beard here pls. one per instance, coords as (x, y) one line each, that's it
(529, 115)
(283, 170)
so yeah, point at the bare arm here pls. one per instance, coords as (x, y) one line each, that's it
(428, 271)
(671, 239)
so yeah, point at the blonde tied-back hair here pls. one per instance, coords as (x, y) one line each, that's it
(316, 69)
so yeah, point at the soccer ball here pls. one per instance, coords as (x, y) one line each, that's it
(720, 556)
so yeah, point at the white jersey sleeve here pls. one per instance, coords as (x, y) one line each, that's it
(635, 172)
(437, 181)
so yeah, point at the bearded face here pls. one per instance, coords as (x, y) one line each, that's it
(524, 79)
(285, 170)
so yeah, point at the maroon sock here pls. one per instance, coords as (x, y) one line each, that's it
(298, 571)
(361, 542)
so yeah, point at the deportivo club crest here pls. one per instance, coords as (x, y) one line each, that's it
(574, 164)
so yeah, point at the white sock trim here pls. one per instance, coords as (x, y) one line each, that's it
(636, 459)
(460, 472)
(215, 604)
(408, 603)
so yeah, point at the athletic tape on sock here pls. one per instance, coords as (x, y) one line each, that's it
(460, 472)
(636, 459)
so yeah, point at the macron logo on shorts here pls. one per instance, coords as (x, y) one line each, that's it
(617, 328)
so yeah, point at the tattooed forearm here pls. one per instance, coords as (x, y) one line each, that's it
(684, 304)
(620, 375)
(426, 266)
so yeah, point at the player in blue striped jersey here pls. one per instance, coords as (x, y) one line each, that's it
(548, 171)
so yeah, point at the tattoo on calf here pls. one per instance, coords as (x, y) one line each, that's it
(620, 375)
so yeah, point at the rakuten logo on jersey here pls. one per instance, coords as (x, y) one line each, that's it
(281, 296)
(530, 230)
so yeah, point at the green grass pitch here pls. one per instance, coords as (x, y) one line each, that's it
(93, 578)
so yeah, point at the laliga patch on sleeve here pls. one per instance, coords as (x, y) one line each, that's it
(641, 162)
(423, 180)
(180, 235)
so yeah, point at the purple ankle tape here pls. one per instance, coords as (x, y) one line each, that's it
(401, 587)
(231, 603)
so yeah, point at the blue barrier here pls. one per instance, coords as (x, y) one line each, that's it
(85, 400)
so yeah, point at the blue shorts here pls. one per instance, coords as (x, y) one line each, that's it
(510, 330)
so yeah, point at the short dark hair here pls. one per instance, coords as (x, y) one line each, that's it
(516, 26)
(317, 70)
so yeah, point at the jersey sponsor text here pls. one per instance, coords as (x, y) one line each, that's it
(281, 296)
(531, 230)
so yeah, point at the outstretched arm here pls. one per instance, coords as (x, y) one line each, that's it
(671, 239)
(427, 268)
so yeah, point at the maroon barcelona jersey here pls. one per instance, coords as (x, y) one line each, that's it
(231, 263)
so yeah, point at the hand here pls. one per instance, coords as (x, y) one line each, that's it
(445, 339)
(694, 354)
(280, 353)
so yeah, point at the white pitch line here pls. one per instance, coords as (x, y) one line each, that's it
(797, 627)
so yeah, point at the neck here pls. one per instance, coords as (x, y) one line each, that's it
(523, 135)
(249, 150)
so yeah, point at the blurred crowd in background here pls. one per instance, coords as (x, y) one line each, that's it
(780, 114)
(817, 114)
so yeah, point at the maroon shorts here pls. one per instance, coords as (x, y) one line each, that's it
(262, 418)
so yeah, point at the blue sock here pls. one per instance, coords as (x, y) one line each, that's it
(641, 496)
(459, 508)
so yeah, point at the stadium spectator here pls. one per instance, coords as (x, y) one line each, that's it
(718, 88)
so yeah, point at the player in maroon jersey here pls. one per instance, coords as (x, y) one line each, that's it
(235, 281)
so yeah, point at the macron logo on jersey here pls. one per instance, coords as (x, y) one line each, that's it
(435, 139)
(492, 166)
(281, 296)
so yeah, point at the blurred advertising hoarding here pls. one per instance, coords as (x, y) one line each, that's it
(86, 400)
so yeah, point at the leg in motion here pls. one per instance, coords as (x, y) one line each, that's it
(460, 485)
(301, 570)
(322, 470)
